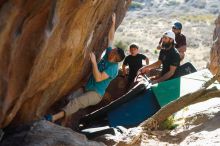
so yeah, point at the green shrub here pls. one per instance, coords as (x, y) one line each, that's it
(197, 18)
(168, 123)
(172, 3)
(136, 5)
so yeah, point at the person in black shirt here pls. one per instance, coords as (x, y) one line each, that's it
(134, 62)
(169, 58)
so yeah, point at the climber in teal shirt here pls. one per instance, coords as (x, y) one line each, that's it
(102, 74)
(110, 68)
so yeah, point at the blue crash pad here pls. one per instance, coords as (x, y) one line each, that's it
(135, 111)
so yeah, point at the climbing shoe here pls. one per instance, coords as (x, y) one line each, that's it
(48, 117)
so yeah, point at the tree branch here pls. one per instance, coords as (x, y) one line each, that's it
(212, 80)
(200, 95)
(175, 106)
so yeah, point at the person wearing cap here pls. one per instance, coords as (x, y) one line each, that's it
(169, 58)
(180, 39)
(102, 73)
(134, 62)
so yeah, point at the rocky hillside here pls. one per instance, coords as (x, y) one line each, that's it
(148, 19)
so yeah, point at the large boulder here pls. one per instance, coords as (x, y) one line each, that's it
(44, 47)
(43, 133)
(215, 50)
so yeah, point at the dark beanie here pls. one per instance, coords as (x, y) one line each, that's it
(121, 53)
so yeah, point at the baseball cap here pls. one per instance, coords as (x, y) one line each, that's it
(177, 25)
(170, 34)
(134, 45)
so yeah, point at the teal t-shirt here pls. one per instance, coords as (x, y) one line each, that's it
(104, 66)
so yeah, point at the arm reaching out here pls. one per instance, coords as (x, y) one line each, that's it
(111, 33)
(124, 70)
(147, 61)
(182, 48)
(147, 68)
(99, 76)
(166, 76)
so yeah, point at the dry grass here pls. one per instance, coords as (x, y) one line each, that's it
(205, 18)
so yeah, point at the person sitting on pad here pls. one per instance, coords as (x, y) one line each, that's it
(169, 58)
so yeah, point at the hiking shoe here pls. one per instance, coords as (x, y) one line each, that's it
(48, 117)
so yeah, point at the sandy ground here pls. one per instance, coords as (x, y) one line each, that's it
(198, 125)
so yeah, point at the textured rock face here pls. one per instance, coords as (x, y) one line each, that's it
(215, 51)
(43, 133)
(44, 48)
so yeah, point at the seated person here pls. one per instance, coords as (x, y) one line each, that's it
(169, 58)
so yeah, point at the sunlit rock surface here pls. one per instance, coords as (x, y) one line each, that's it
(215, 51)
(44, 48)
